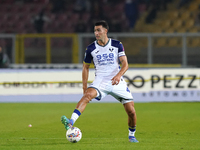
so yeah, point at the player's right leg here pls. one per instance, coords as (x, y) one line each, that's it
(87, 97)
(68, 123)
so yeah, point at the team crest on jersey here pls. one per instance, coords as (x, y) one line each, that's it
(111, 49)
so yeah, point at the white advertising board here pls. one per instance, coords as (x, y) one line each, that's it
(146, 85)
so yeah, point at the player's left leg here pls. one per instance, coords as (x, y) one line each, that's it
(130, 110)
(123, 94)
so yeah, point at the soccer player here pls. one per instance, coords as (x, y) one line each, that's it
(4, 60)
(105, 54)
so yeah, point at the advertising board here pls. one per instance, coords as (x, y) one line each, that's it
(146, 85)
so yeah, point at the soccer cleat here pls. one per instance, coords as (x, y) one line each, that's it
(133, 139)
(67, 123)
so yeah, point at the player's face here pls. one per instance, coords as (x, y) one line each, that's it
(100, 32)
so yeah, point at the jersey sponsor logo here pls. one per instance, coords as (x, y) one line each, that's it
(108, 63)
(105, 59)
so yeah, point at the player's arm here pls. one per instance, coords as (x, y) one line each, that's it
(85, 74)
(124, 68)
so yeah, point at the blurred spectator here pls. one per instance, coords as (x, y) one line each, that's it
(9, 44)
(153, 12)
(81, 6)
(4, 60)
(131, 11)
(115, 26)
(97, 13)
(148, 3)
(58, 6)
(160, 4)
(153, 6)
(111, 2)
(197, 19)
(163, 4)
(183, 2)
(39, 21)
(81, 26)
(8, 47)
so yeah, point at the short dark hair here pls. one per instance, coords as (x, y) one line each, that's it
(103, 23)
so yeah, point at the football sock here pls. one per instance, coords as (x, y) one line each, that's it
(75, 115)
(132, 131)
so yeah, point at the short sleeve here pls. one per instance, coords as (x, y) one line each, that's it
(121, 51)
(88, 56)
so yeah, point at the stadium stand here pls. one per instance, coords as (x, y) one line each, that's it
(173, 19)
(16, 17)
(168, 20)
(14, 12)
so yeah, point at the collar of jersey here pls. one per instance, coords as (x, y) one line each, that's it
(105, 44)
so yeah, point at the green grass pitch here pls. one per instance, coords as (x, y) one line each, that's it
(160, 126)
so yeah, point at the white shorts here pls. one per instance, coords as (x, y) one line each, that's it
(105, 87)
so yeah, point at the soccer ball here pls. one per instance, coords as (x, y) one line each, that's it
(74, 134)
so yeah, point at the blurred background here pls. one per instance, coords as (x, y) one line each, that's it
(55, 33)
